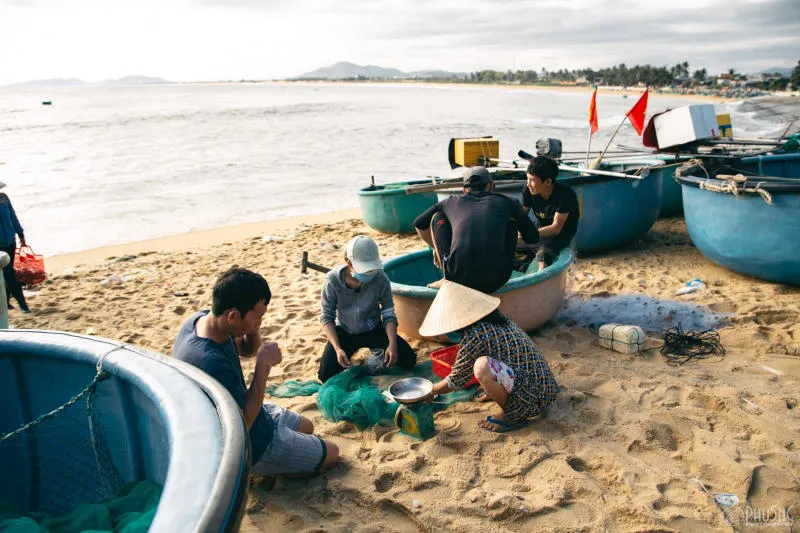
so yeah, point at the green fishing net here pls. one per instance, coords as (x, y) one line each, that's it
(131, 511)
(356, 395)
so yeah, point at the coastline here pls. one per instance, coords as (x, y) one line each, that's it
(603, 89)
(194, 239)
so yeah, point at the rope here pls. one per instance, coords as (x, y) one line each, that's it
(90, 388)
(689, 166)
(729, 186)
(681, 347)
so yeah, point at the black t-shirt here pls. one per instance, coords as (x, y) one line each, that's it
(484, 227)
(221, 362)
(563, 200)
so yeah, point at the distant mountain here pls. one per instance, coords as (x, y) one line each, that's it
(55, 82)
(783, 71)
(344, 70)
(75, 82)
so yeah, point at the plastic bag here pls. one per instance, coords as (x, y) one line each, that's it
(29, 266)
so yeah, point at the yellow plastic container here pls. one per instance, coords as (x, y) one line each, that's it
(725, 126)
(468, 152)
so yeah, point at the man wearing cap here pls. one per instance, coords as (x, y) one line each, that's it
(555, 207)
(474, 235)
(358, 312)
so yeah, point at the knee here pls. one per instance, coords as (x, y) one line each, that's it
(332, 455)
(481, 368)
(305, 426)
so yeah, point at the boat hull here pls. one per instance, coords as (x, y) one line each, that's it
(388, 209)
(530, 300)
(745, 233)
(162, 421)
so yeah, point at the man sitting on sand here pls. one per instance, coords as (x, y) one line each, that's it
(281, 441)
(358, 311)
(508, 365)
(474, 236)
(555, 207)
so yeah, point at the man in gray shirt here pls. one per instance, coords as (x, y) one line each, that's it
(358, 311)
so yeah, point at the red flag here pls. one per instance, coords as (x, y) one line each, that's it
(593, 113)
(637, 113)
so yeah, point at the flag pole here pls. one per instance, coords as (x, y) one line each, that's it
(589, 148)
(609, 140)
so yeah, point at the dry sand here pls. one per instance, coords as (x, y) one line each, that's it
(617, 452)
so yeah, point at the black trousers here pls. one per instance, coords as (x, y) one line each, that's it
(377, 338)
(486, 280)
(13, 286)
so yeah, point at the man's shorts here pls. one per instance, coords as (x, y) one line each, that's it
(502, 373)
(289, 452)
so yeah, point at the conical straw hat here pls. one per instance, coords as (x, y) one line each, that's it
(456, 307)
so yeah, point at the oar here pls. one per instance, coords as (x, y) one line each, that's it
(644, 170)
(416, 189)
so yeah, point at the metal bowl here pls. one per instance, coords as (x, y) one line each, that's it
(410, 390)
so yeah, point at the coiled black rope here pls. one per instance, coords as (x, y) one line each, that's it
(681, 347)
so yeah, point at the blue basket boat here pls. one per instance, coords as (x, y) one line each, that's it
(150, 418)
(530, 299)
(387, 208)
(751, 227)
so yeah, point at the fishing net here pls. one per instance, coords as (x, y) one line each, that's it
(648, 313)
(66, 478)
(356, 395)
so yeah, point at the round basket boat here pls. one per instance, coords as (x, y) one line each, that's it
(150, 418)
(387, 208)
(750, 228)
(530, 300)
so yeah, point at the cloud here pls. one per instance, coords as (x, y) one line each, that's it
(232, 39)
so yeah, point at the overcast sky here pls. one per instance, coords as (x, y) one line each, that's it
(192, 40)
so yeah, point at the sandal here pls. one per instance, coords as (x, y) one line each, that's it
(504, 426)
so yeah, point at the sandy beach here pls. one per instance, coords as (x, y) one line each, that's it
(632, 443)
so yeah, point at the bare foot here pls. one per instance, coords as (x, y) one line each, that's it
(436, 284)
(482, 397)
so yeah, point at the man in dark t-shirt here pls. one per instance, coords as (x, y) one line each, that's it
(474, 235)
(555, 207)
(281, 441)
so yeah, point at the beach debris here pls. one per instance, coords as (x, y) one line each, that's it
(750, 407)
(416, 504)
(112, 281)
(589, 276)
(123, 258)
(271, 238)
(726, 500)
(773, 370)
(691, 286)
(180, 294)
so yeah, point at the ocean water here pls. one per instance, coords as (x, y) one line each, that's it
(108, 165)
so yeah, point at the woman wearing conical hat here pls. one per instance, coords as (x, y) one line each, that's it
(503, 358)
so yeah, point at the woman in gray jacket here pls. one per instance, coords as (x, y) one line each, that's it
(358, 311)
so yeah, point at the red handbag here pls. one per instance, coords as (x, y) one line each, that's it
(29, 266)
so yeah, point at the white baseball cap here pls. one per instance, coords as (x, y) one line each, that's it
(362, 252)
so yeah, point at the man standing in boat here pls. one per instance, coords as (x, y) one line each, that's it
(474, 235)
(555, 207)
